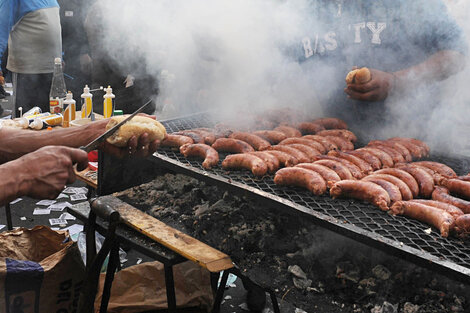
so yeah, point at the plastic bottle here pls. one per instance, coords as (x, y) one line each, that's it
(69, 110)
(108, 103)
(32, 111)
(27, 119)
(47, 121)
(87, 104)
(58, 90)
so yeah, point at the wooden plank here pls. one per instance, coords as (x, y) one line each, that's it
(183, 244)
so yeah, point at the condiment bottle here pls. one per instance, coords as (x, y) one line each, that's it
(108, 102)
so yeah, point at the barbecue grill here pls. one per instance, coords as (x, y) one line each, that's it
(397, 235)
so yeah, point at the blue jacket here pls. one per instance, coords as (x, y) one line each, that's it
(11, 11)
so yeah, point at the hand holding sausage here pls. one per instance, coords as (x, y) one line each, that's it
(377, 89)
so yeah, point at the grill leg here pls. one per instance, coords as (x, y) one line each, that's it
(8, 214)
(170, 288)
(112, 266)
(220, 292)
(274, 301)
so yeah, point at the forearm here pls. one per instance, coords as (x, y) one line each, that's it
(16, 143)
(438, 67)
(14, 182)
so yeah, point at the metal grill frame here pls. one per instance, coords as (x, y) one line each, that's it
(397, 235)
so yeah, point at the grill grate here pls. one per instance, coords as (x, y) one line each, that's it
(402, 230)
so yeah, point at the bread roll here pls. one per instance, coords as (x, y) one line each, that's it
(358, 76)
(137, 126)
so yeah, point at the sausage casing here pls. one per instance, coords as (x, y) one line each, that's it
(309, 128)
(343, 144)
(437, 167)
(449, 208)
(392, 190)
(396, 155)
(327, 143)
(344, 133)
(312, 143)
(442, 194)
(404, 189)
(383, 156)
(404, 176)
(367, 157)
(288, 131)
(271, 161)
(301, 177)
(176, 141)
(329, 175)
(424, 179)
(247, 161)
(342, 171)
(299, 155)
(285, 159)
(210, 155)
(457, 187)
(273, 136)
(331, 123)
(255, 141)
(365, 167)
(307, 150)
(355, 170)
(361, 190)
(232, 145)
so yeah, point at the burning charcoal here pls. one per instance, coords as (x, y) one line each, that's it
(302, 284)
(346, 270)
(381, 272)
(409, 307)
(201, 209)
(386, 307)
(297, 271)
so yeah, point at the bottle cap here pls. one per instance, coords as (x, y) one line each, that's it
(69, 96)
(109, 92)
(49, 128)
(118, 112)
(58, 61)
(36, 124)
(86, 89)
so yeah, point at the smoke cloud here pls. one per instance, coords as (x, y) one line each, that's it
(234, 56)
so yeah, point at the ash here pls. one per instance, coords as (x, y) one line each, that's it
(307, 266)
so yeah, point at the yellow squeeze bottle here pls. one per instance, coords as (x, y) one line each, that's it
(87, 104)
(69, 112)
(108, 103)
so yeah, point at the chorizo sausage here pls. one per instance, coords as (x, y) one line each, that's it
(437, 167)
(285, 159)
(396, 155)
(256, 142)
(424, 147)
(210, 155)
(247, 161)
(299, 155)
(361, 190)
(308, 150)
(309, 128)
(331, 123)
(301, 177)
(327, 173)
(365, 167)
(404, 189)
(271, 161)
(392, 190)
(195, 136)
(425, 213)
(327, 143)
(449, 208)
(383, 156)
(424, 179)
(416, 151)
(457, 187)
(442, 194)
(394, 145)
(273, 136)
(342, 171)
(344, 133)
(462, 225)
(232, 145)
(343, 144)
(367, 157)
(355, 171)
(288, 131)
(435, 176)
(404, 176)
(176, 141)
(303, 141)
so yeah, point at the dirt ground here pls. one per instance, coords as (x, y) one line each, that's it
(308, 267)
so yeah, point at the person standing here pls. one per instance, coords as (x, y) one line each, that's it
(32, 30)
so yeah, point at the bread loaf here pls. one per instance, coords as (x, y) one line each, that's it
(137, 126)
(358, 76)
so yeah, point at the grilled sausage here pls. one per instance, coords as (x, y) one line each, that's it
(327, 173)
(210, 155)
(232, 145)
(457, 187)
(355, 170)
(209, 136)
(396, 155)
(465, 177)
(404, 189)
(462, 225)
(309, 128)
(327, 143)
(404, 176)
(343, 144)
(425, 213)
(342, 171)
(392, 190)
(285, 159)
(288, 131)
(442, 194)
(383, 156)
(361, 190)
(331, 123)
(416, 151)
(247, 161)
(367, 157)
(437, 167)
(394, 145)
(301, 177)
(176, 141)
(312, 143)
(273, 136)
(435, 176)
(424, 179)
(449, 208)
(365, 167)
(256, 142)
(424, 147)
(344, 133)
(271, 161)
(195, 136)
(299, 155)
(309, 151)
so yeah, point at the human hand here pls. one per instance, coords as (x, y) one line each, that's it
(138, 146)
(377, 89)
(46, 171)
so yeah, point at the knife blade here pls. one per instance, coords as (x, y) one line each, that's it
(95, 143)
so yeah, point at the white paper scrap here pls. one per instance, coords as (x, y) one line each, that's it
(81, 190)
(59, 206)
(74, 229)
(62, 195)
(81, 206)
(2, 226)
(39, 211)
(67, 216)
(16, 200)
(69, 190)
(78, 196)
(139, 260)
(57, 221)
(46, 202)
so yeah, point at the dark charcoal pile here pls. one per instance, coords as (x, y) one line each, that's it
(307, 266)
